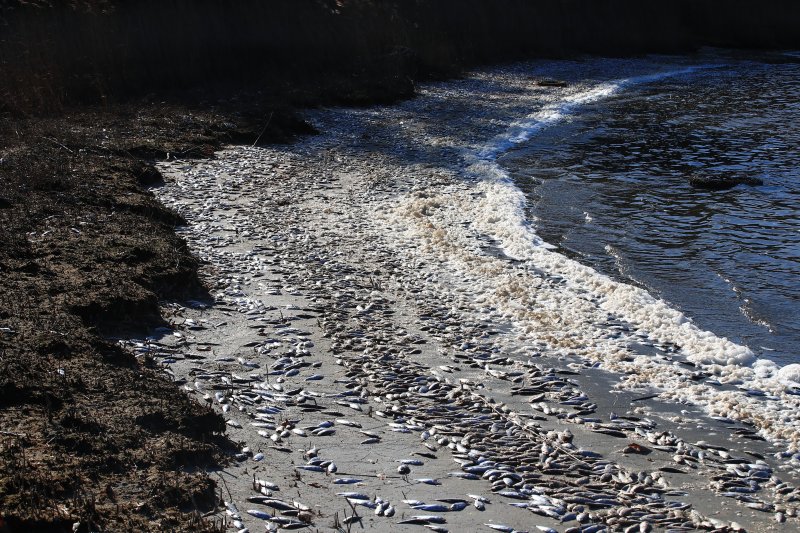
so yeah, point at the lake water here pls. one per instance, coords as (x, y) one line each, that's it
(609, 186)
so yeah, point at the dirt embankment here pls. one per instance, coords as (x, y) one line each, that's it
(89, 433)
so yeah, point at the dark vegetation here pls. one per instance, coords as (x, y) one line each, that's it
(54, 52)
(89, 433)
(93, 91)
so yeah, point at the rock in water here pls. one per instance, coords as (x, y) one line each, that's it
(720, 182)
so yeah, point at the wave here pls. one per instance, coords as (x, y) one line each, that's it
(563, 307)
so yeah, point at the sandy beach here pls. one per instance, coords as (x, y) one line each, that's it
(387, 359)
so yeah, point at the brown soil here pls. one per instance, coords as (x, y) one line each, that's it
(89, 433)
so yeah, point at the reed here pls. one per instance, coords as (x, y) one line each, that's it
(54, 53)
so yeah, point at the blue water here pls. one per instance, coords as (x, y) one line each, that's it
(611, 187)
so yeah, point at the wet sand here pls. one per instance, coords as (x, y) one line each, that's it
(335, 339)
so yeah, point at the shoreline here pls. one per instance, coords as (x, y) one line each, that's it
(321, 304)
(87, 252)
(105, 150)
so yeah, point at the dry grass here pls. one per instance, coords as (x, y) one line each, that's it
(58, 52)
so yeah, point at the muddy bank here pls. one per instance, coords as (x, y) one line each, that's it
(91, 434)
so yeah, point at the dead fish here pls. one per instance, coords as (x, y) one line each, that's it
(513, 494)
(354, 495)
(670, 470)
(432, 508)
(353, 406)
(259, 514)
(266, 484)
(283, 520)
(293, 524)
(369, 504)
(464, 475)
(500, 527)
(414, 522)
(430, 519)
(278, 504)
(349, 423)
(310, 468)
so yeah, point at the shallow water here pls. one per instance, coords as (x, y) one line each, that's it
(609, 187)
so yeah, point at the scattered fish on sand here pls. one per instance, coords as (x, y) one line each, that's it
(353, 328)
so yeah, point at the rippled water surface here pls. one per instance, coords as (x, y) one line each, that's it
(611, 187)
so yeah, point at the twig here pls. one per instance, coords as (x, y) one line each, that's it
(226, 486)
(354, 515)
(265, 128)
(59, 144)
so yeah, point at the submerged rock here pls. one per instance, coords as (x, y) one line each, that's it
(720, 182)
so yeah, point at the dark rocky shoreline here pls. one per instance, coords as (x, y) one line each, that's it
(722, 182)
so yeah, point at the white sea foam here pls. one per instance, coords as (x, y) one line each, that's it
(561, 305)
